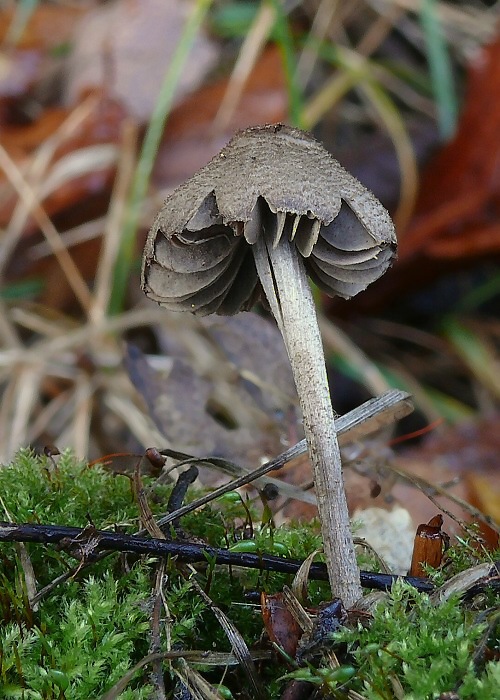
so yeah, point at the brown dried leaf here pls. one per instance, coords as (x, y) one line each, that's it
(459, 203)
(78, 169)
(128, 46)
(281, 627)
(458, 209)
(236, 408)
(461, 457)
(28, 59)
(48, 26)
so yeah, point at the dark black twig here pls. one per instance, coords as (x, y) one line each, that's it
(179, 491)
(187, 552)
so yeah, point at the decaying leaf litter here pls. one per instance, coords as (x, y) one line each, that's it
(76, 365)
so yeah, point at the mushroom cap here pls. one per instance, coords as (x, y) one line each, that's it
(198, 254)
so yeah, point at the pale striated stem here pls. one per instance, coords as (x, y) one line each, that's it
(284, 280)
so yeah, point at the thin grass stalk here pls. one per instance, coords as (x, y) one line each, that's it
(21, 17)
(252, 46)
(112, 229)
(319, 29)
(35, 173)
(285, 43)
(149, 150)
(393, 122)
(30, 199)
(440, 69)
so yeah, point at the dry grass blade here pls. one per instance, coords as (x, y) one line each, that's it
(147, 516)
(87, 231)
(457, 21)
(429, 489)
(360, 542)
(114, 221)
(396, 128)
(367, 418)
(301, 578)
(31, 201)
(320, 28)
(18, 401)
(82, 416)
(54, 356)
(140, 424)
(462, 582)
(194, 682)
(185, 673)
(238, 644)
(78, 163)
(35, 173)
(339, 342)
(249, 53)
(353, 72)
(8, 333)
(156, 624)
(118, 688)
(295, 608)
(28, 571)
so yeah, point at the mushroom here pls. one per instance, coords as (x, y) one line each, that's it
(271, 208)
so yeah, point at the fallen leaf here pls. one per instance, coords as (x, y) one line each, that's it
(219, 399)
(484, 493)
(458, 207)
(48, 26)
(455, 226)
(127, 47)
(29, 56)
(465, 458)
(84, 163)
(281, 627)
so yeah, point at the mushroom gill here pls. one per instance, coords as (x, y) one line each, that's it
(273, 179)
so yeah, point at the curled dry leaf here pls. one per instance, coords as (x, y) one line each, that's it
(429, 546)
(275, 179)
(280, 624)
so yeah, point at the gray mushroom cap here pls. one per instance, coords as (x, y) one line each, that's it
(275, 178)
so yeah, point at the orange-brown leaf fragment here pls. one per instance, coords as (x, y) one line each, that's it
(280, 625)
(430, 542)
(458, 209)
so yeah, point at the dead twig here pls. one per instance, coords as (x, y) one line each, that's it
(187, 552)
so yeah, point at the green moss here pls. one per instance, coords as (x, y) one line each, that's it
(81, 642)
(93, 628)
(428, 648)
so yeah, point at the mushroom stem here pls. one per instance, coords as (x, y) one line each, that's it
(284, 280)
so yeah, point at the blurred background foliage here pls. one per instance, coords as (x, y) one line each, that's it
(107, 106)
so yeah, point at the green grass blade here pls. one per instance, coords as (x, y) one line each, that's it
(284, 40)
(147, 156)
(476, 352)
(440, 69)
(20, 19)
